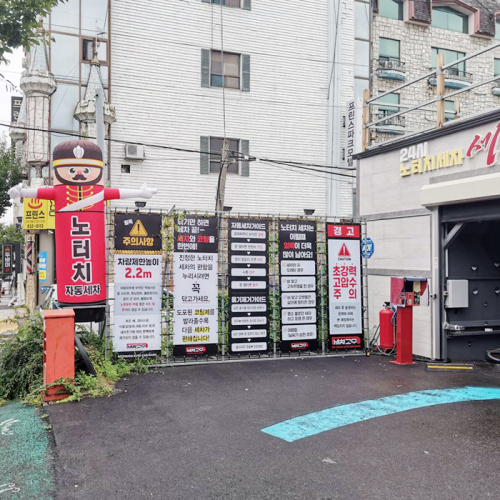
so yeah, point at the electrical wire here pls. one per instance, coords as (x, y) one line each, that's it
(236, 154)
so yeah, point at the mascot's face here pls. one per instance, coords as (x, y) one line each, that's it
(78, 175)
(75, 169)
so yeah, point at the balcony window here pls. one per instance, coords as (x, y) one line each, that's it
(449, 57)
(384, 105)
(393, 9)
(389, 49)
(449, 19)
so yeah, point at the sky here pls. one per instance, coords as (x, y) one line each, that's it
(12, 72)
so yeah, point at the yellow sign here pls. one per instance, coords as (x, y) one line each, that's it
(42, 275)
(138, 229)
(38, 214)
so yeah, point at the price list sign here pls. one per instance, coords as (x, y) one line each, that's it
(344, 286)
(138, 286)
(196, 265)
(297, 250)
(248, 286)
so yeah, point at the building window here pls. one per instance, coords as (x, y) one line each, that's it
(449, 57)
(389, 49)
(497, 30)
(449, 19)
(497, 67)
(384, 105)
(216, 151)
(228, 3)
(225, 70)
(393, 9)
(449, 110)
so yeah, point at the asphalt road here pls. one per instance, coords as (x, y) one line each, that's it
(195, 432)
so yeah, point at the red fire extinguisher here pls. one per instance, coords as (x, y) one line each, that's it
(386, 327)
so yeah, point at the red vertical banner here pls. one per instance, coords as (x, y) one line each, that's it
(344, 287)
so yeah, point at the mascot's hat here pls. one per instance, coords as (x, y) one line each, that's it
(77, 153)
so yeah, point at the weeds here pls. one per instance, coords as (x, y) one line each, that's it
(21, 366)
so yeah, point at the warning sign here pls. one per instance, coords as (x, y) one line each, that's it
(344, 251)
(138, 229)
(137, 233)
(344, 286)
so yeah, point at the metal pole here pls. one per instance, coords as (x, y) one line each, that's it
(221, 188)
(440, 119)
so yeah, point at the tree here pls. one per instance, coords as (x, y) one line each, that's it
(10, 234)
(10, 173)
(19, 20)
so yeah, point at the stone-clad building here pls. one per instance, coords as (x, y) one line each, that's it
(406, 37)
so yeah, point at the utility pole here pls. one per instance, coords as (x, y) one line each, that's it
(221, 187)
(440, 89)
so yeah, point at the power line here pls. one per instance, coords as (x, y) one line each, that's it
(235, 154)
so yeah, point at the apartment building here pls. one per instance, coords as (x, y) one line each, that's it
(407, 36)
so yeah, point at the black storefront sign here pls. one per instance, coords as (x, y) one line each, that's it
(7, 258)
(137, 232)
(196, 267)
(299, 301)
(248, 286)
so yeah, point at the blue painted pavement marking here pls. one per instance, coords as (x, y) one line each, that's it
(339, 416)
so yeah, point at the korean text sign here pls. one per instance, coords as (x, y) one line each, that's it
(196, 267)
(138, 285)
(344, 286)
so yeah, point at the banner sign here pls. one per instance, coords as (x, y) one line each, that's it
(38, 214)
(196, 267)
(7, 258)
(15, 107)
(344, 286)
(138, 286)
(297, 250)
(42, 266)
(248, 286)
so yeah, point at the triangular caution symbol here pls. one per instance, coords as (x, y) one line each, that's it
(344, 251)
(138, 229)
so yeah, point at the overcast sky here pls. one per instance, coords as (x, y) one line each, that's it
(11, 72)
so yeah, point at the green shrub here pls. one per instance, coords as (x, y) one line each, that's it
(21, 360)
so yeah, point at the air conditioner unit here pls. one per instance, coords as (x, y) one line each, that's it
(134, 152)
(389, 64)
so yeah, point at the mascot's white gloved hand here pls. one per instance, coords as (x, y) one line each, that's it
(147, 192)
(15, 192)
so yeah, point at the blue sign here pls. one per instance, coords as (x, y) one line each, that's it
(367, 247)
(42, 266)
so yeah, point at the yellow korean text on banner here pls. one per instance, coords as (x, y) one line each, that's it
(38, 214)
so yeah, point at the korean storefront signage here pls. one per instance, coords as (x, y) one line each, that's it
(7, 258)
(138, 285)
(248, 286)
(196, 267)
(297, 250)
(42, 266)
(38, 214)
(344, 286)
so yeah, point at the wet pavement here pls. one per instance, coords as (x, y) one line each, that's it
(196, 432)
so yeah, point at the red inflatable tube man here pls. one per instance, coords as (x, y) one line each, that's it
(79, 195)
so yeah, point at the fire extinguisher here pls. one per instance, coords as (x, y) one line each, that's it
(386, 327)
